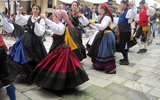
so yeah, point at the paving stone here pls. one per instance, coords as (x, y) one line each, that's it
(98, 82)
(155, 92)
(83, 86)
(119, 89)
(151, 97)
(150, 82)
(148, 74)
(87, 67)
(20, 96)
(145, 68)
(117, 79)
(97, 92)
(118, 97)
(128, 69)
(76, 95)
(24, 85)
(38, 94)
(135, 95)
(138, 86)
(128, 75)
(148, 62)
(100, 74)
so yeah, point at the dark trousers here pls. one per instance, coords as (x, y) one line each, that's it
(5, 77)
(124, 39)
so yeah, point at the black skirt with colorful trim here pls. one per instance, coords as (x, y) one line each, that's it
(60, 70)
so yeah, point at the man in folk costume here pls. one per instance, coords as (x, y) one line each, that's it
(144, 27)
(125, 28)
(5, 76)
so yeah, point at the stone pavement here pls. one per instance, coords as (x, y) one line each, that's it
(138, 81)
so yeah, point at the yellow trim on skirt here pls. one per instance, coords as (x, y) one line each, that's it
(69, 40)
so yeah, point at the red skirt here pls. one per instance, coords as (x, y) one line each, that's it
(60, 70)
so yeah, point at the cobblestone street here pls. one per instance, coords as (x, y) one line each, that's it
(138, 81)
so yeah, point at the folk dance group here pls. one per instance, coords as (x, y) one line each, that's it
(61, 68)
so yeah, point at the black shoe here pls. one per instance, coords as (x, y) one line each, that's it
(140, 51)
(144, 50)
(125, 62)
(121, 60)
(114, 72)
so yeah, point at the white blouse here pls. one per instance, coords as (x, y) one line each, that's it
(83, 20)
(8, 27)
(39, 28)
(56, 28)
(104, 23)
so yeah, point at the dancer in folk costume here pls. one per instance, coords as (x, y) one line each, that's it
(61, 69)
(103, 45)
(73, 37)
(125, 28)
(5, 76)
(144, 27)
(29, 50)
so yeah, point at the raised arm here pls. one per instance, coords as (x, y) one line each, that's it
(131, 12)
(150, 11)
(56, 28)
(83, 20)
(20, 19)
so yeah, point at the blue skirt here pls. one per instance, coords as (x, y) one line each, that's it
(107, 46)
(17, 52)
(105, 57)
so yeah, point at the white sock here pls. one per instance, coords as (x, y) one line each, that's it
(139, 43)
(145, 45)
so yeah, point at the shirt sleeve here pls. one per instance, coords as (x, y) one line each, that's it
(8, 27)
(131, 12)
(115, 20)
(84, 20)
(39, 28)
(150, 11)
(104, 23)
(95, 17)
(49, 32)
(56, 28)
(21, 20)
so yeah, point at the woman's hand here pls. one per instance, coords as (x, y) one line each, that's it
(20, 10)
(43, 16)
(91, 22)
(130, 4)
(36, 19)
(91, 25)
(79, 15)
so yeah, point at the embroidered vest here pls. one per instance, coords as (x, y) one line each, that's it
(143, 17)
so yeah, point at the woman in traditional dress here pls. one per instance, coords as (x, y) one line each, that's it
(61, 69)
(103, 48)
(29, 50)
(74, 36)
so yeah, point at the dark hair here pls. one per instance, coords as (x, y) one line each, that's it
(49, 14)
(75, 2)
(13, 15)
(39, 7)
(54, 7)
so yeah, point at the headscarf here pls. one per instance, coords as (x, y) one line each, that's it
(62, 14)
(107, 8)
